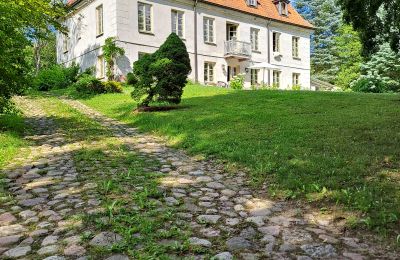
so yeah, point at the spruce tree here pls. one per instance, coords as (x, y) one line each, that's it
(326, 17)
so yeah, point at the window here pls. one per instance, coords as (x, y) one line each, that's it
(282, 6)
(231, 32)
(208, 72)
(252, 3)
(79, 29)
(295, 47)
(100, 67)
(177, 22)
(208, 26)
(296, 79)
(275, 42)
(65, 43)
(99, 20)
(254, 38)
(276, 78)
(144, 17)
(254, 76)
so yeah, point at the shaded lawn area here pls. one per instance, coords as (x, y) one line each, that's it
(341, 147)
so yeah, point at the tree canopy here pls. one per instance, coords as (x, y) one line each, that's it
(21, 24)
(377, 21)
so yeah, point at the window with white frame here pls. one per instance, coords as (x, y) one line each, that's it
(209, 72)
(254, 38)
(296, 79)
(208, 27)
(177, 18)
(276, 41)
(295, 47)
(145, 17)
(254, 76)
(65, 43)
(252, 3)
(99, 20)
(276, 75)
(282, 6)
(100, 67)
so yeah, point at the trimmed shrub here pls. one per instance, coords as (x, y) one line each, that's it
(89, 84)
(161, 76)
(112, 87)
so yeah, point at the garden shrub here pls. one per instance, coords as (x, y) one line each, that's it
(112, 87)
(296, 87)
(89, 84)
(161, 76)
(131, 79)
(381, 73)
(237, 82)
(56, 77)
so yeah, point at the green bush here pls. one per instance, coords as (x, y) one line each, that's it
(237, 82)
(89, 84)
(296, 87)
(161, 76)
(112, 87)
(56, 77)
(131, 79)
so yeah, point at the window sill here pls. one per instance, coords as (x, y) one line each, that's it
(256, 51)
(65, 52)
(99, 35)
(296, 58)
(211, 43)
(147, 32)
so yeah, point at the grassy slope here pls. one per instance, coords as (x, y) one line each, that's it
(338, 146)
(11, 130)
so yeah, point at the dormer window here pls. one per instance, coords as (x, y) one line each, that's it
(252, 3)
(282, 6)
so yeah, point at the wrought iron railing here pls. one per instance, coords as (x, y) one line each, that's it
(237, 48)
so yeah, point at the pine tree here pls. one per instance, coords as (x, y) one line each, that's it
(326, 17)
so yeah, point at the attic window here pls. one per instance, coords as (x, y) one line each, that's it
(282, 6)
(252, 3)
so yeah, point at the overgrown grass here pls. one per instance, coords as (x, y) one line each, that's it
(11, 136)
(329, 147)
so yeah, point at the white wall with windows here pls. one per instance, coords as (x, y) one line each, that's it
(142, 26)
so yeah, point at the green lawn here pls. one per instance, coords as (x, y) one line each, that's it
(337, 147)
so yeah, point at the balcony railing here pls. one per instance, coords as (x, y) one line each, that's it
(239, 49)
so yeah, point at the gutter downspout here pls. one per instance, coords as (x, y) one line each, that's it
(196, 66)
(269, 50)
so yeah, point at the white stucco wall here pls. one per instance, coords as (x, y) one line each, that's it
(121, 20)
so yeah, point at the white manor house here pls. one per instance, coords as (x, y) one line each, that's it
(267, 40)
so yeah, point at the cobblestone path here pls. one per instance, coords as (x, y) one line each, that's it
(224, 213)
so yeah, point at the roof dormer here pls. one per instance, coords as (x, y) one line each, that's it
(252, 3)
(282, 6)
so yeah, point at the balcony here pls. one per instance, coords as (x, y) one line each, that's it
(237, 49)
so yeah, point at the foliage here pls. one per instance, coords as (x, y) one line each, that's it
(112, 87)
(131, 79)
(325, 15)
(296, 87)
(56, 76)
(237, 82)
(161, 76)
(381, 73)
(19, 23)
(348, 50)
(375, 20)
(111, 52)
(89, 84)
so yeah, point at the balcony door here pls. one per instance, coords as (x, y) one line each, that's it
(231, 31)
(232, 71)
